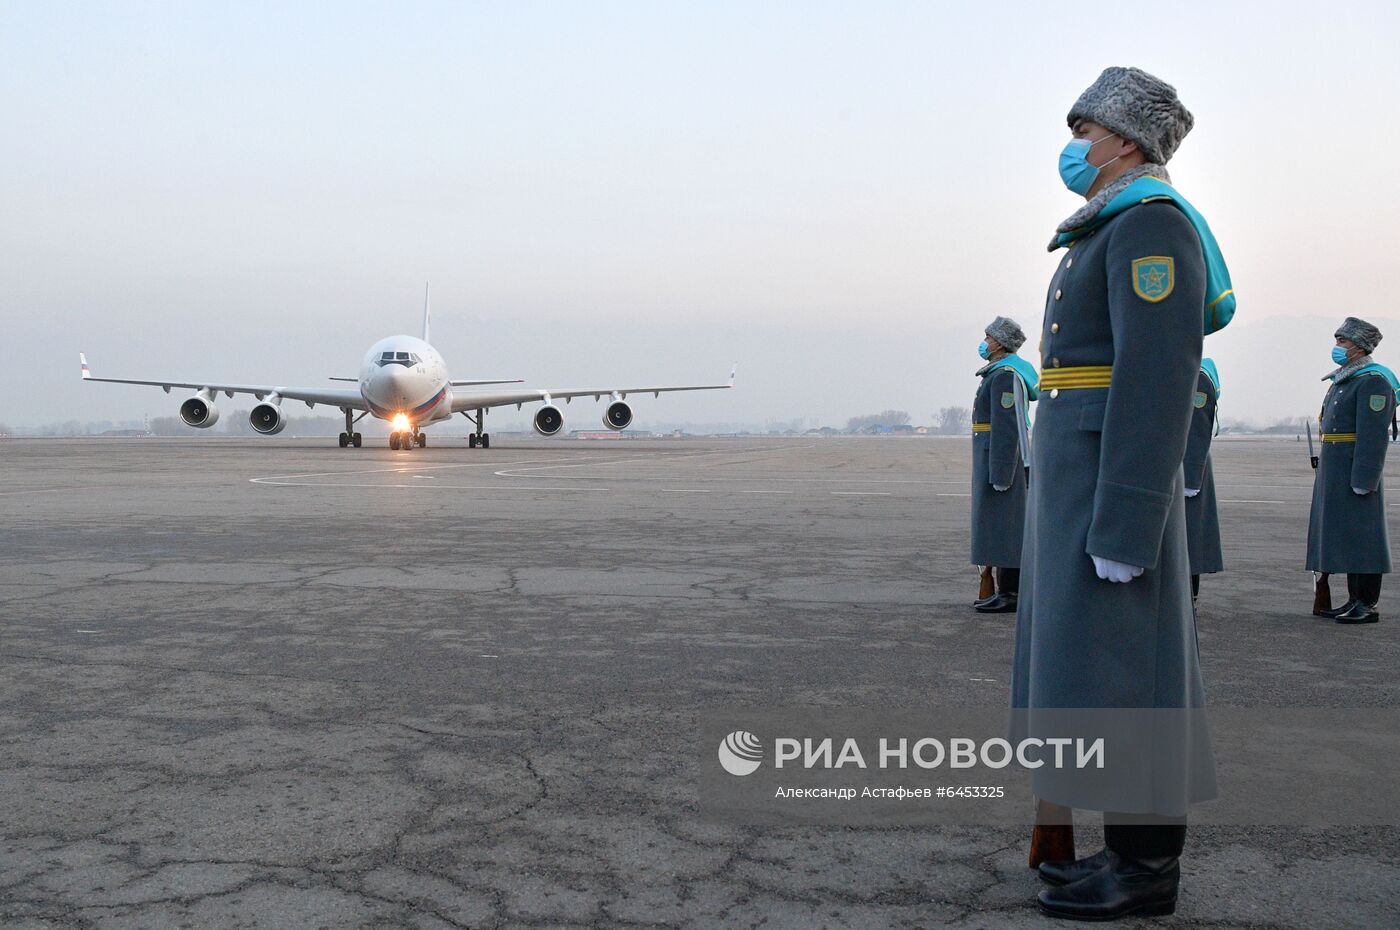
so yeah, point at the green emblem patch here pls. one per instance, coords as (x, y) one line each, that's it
(1008, 400)
(1200, 399)
(1154, 277)
(1378, 402)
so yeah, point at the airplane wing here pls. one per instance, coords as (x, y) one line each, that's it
(456, 383)
(462, 402)
(332, 397)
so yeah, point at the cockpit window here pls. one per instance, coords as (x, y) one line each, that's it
(406, 359)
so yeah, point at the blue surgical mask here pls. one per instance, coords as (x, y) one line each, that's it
(982, 349)
(1075, 169)
(1339, 355)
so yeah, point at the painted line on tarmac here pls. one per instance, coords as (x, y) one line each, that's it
(285, 479)
(862, 493)
(515, 470)
(431, 487)
(90, 487)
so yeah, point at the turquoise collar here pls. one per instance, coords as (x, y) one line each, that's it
(1029, 376)
(1220, 294)
(1375, 368)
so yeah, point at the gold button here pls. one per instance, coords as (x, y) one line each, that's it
(1069, 263)
(1058, 293)
(1054, 327)
(1055, 392)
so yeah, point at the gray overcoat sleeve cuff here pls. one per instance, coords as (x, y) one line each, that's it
(1128, 524)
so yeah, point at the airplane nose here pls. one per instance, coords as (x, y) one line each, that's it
(391, 385)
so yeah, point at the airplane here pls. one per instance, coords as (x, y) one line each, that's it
(403, 380)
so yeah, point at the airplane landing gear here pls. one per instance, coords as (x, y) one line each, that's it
(350, 437)
(478, 438)
(407, 440)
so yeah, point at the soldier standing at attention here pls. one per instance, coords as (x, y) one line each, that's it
(998, 470)
(1202, 517)
(1346, 529)
(1105, 619)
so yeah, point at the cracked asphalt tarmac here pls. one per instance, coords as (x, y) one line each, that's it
(273, 683)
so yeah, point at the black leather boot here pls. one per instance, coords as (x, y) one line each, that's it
(1128, 886)
(1000, 603)
(1336, 612)
(1065, 873)
(1358, 612)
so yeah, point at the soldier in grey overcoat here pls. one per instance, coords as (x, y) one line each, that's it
(998, 471)
(1105, 619)
(1202, 513)
(1346, 529)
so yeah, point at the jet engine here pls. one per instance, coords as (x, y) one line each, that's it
(618, 415)
(199, 411)
(548, 420)
(268, 419)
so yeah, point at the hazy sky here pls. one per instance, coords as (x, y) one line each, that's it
(837, 196)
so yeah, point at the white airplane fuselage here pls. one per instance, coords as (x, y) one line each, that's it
(403, 376)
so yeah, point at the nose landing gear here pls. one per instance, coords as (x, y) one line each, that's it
(407, 439)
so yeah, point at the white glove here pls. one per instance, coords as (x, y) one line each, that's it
(1192, 492)
(1119, 572)
(1001, 487)
(1362, 491)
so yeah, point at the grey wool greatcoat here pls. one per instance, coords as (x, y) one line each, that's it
(998, 517)
(1346, 530)
(1107, 467)
(1202, 515)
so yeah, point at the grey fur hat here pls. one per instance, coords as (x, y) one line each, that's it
(1007, 332)
(1360, 332)
(1139, 107)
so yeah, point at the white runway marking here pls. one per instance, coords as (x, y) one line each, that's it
(864, 493)
(289, 479)
(435, 487)
(91, 487)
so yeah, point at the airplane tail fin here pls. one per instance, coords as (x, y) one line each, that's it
(82, 360)
(427, 311)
